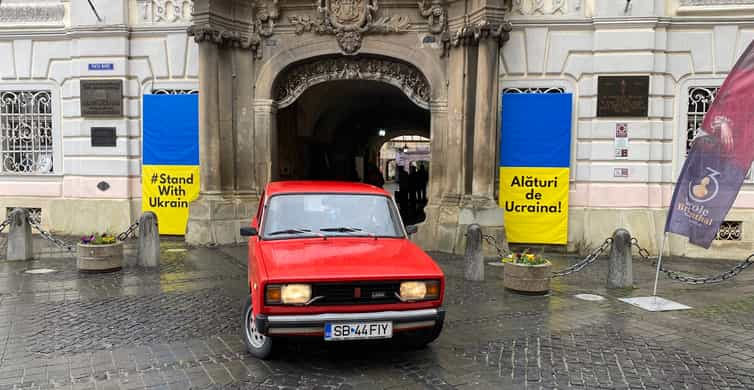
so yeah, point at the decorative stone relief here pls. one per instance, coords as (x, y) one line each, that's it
(542, 7)
(32, 12)
(166, 11)
(261, 27)
(301, 76)
(436, 14)
(471, 34)
(716, 2)
(349, 20)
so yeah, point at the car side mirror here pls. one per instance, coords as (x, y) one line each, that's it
(249, 231)
(412, 229)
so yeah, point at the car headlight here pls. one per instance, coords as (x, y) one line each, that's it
(420, 290)
(288, 294)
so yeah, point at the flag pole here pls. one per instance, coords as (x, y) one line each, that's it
(659, 263)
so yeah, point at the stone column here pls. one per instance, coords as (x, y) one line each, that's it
(485, 122)
(439, 164)
(226, 90)
(265, 141)
(454, 137)
(243, 106)
(209, 120)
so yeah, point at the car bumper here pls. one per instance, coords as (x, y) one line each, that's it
(314, 324)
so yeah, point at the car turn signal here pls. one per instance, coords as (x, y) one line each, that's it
(273, 294)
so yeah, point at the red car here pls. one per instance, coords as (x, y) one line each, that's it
(333, 260)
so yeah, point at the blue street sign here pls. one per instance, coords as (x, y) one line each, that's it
(104, 66)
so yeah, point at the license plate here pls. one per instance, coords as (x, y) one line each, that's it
(358, 330)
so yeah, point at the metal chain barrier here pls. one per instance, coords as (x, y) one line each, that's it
(4, 240)
(691, 279)
(492, 241)
(49, 237)
(131, 231)
(588, 260)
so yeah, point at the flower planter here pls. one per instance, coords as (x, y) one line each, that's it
(100, 258)
(527, 278)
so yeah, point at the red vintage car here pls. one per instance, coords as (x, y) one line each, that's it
(333, 260)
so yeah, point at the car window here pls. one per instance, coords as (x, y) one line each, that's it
(304, 215)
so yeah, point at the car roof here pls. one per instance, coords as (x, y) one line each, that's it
(336, 187)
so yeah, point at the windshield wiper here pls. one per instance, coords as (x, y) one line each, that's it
(289, 231)
(347, 229)
(297, 231)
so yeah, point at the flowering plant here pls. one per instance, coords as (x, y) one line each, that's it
(526, 258)
(97, 239)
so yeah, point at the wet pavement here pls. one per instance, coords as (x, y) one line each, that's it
(179, 328)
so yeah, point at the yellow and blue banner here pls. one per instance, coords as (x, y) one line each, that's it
(170, 166)
(535, 156)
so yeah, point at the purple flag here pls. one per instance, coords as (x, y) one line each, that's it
(717, 162)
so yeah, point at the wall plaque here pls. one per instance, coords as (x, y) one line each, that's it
(102, 98)
(103, 136)
(622, 96)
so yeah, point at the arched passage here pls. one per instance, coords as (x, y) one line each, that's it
(332, 111)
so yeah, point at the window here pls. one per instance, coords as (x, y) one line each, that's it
(165, 91)
(729, 231)
(26, 132)
(700, 100)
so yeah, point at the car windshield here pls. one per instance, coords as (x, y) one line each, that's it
(316, 215)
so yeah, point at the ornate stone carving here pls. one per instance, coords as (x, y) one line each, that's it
(541, 7)
(716, 2)
(436, 14)
(471, 34)
(166, 11)
(301, 76)
(32, 12)
(348, 20)
(267, 12)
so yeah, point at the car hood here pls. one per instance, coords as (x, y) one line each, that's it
(345, 258)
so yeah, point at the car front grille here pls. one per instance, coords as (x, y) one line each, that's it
(355, 293)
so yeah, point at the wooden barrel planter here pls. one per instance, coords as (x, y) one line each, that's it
(100, 258)
(527, 278)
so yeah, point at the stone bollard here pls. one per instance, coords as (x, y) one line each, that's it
(473, 256)
(19, 236)
(620, 273)
(149, 240)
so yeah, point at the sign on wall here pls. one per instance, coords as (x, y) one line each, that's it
(622, 96)
(535, 155)
(170, 168)
(102, 98)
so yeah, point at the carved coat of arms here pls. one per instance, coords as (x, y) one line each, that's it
(349, 15)
(349, 20)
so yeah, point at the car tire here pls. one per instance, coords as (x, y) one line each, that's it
(257, 344)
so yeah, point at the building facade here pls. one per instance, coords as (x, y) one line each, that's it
(48, 47)
(299, 89)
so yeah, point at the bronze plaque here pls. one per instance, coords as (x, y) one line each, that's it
(622, 96)
(102, 98)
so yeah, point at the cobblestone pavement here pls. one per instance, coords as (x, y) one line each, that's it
(179, 328)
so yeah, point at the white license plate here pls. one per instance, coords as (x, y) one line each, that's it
(358, 330)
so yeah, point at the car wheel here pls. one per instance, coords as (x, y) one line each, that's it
(258, 345)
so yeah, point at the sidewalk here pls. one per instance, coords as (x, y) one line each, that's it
(179, 328)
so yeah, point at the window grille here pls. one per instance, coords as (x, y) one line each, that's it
(534, 90)
(729, 231)
(35, 213)
(165, 91)
(700, 100)
(26, 140)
